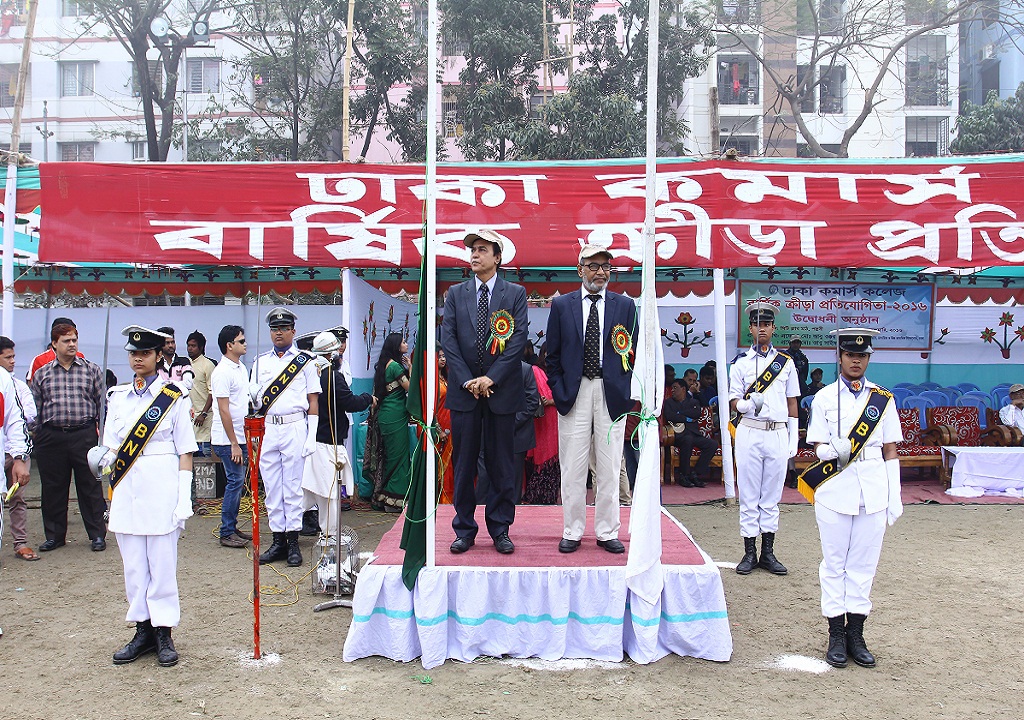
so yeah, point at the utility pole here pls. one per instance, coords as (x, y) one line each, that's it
(716, 129)
(347, 87)
(46, 133)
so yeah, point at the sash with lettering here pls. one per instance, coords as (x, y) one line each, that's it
(142, 433)
(824, 470)
(761, 384)
(283, 380)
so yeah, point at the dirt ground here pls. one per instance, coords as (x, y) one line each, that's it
(946, 629)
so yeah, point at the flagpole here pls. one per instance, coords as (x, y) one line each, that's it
(428, 284)
(722, 378)
(648, 294)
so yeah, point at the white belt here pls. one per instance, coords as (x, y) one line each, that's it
(869, 453)
(159, 448)
(285, 419)
(763, 424)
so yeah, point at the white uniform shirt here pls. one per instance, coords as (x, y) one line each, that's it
(862, 482)
(1013, 416)
(28, 403)
(15, 433)
(748, 367)
(145, 498)
(229, 380)
(268, 366)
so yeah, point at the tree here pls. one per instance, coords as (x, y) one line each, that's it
(603, 113)
(996, 126)
(131, 22)
(861, 43)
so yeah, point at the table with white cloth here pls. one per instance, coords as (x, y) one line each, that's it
(990, 470)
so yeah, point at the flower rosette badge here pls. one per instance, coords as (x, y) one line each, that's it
(502, 327)
(622, 341)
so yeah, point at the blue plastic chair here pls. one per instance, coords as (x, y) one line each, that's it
(966, 387)
(902, 385)
(982, 397)
(940, 399)
(979, 401)
(900, 394)
(1000, 397)
(929, 385)
(920, 404)
(952, 393)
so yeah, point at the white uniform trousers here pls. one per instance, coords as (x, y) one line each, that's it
(850, 547)
(587, 421)
(281, 465)
(762, 457)
(151, 577)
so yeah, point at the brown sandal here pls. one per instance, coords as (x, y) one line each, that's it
(26, 553)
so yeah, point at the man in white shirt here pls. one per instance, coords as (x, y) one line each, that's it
(17, 444)
(291, 412)
(229, 387)
(1013, 414)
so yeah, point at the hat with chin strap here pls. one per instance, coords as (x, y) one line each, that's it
(140, 338)
(855, 340)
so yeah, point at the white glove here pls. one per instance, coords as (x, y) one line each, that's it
(309, 447)
(794, 436)
(744, 406)
(825, 452)
(254, 395)
(895, 509)
(183, 510)
(843, 448)
(758, 400)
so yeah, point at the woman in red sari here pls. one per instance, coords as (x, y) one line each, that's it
(445, 474)
(544, 482)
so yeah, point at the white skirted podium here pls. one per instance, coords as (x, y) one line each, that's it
(537, 602)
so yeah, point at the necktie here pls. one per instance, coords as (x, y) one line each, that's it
(482, 324)
(592, 341)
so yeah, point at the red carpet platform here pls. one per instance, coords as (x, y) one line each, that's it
(537, 602)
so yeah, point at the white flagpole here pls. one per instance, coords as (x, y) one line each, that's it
(428, 283)
(722, 375)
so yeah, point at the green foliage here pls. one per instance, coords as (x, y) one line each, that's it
(996, 126)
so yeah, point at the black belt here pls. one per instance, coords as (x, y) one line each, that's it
(593, 377)
(91, 422)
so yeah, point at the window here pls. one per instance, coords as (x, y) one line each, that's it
(75, 8)
(419, 23)
(927, 136)
(989, 12)
(452, 45)
(829, 17)
(140, 150)
(743, 145)
(77, 152)
(989, 79)
(744, 12)
(737, 80)
(76, 79)
(927, 83)
(203, 76)
(537, 103)
(807, 101)
(450, 116)
(831, 89)
(8, 84)
(924, 12)
(262, 83)
(156, 76)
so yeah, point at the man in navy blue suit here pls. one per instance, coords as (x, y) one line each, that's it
(590, 364)
(483, 335)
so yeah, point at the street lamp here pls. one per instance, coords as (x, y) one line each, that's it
(199, 34)
(46, 133)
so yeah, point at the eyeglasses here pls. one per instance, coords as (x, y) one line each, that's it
(242, 340)
(594, 267)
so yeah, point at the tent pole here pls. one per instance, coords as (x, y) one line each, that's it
(722, 377)
(428, 284)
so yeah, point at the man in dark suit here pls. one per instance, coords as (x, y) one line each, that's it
(590, 340)
(525, 439)
(483, 334)
(682, 412)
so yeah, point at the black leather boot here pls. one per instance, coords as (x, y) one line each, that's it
(166, 655)
(749, 561)
(294, 554)
(836, 653)
(855, 640)
(310, 523)
(768, 561)
(278, 550)
(143, 642)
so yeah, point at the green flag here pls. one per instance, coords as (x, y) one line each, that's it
(414, 534)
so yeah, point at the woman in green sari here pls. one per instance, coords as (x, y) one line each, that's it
(391, 386)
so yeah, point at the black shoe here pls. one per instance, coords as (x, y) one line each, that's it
(503, 545)
(613, 546)
(856, 647)
(166, 655)
(310, 523)
(293, 552)
(49, 545)
(278, 550)
(143, 642)
(565, 545)
(696, 482)
(99, 545)
(461, 545)
(836, 653)
(768, 560)
(749, 561)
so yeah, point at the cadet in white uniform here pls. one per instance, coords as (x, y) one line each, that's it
(291, 423)
(852, 507)
(152, 500)
(766, 437)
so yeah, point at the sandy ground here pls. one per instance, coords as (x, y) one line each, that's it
(946, 629)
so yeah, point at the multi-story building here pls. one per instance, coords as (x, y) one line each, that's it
(990, 55)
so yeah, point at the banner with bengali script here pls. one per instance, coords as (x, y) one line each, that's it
(955, 212)
(901, 313)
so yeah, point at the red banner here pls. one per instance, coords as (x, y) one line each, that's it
(957, 213)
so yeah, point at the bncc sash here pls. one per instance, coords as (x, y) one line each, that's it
(824, 470)
(761, 384)
(142, 433)
(274, 390)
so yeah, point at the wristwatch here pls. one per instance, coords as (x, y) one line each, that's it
(23, 457)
